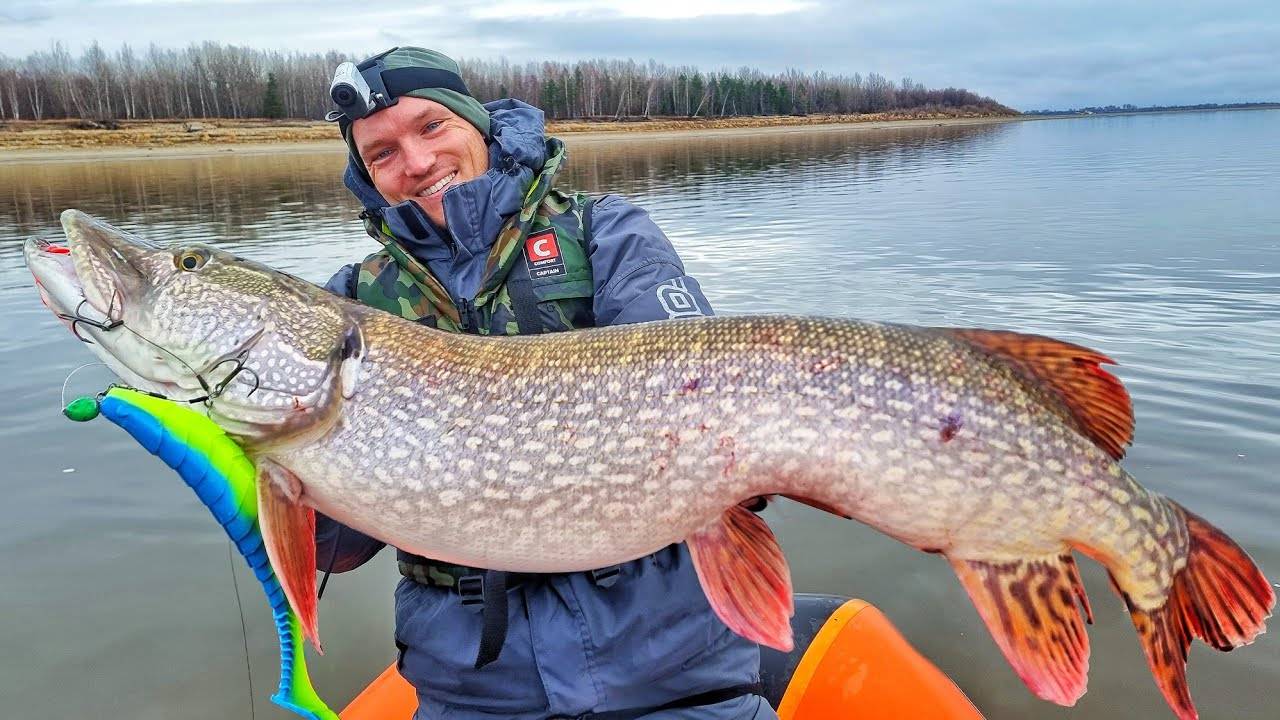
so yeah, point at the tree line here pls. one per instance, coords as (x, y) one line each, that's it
(213, 80)
(1130, 108)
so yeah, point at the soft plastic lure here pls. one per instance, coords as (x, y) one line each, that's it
(224, 480)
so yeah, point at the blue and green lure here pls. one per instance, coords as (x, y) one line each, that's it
(224, 480)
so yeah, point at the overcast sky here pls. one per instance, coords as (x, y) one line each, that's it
(1029, 54)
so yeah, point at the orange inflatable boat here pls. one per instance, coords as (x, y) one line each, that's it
(855, 665)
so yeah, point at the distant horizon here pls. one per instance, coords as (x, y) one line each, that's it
(1129, 107)
(1025, 55)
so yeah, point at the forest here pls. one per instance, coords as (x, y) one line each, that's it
(213, 80)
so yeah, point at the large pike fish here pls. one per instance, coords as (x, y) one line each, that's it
(571, 451)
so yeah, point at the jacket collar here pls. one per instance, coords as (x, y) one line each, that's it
(476, 209)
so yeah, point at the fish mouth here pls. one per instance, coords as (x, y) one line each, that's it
(60, 288)
(89, 283)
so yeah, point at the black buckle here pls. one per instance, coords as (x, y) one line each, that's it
(471, 590)
(605, 577)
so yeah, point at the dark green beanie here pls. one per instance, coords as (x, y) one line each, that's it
(464, 106)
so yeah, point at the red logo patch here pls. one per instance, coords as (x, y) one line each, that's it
(542, 253)
(542, 247)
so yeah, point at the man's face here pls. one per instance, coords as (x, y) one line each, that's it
(417, 149)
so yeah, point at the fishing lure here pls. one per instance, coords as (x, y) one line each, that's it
(223, 478)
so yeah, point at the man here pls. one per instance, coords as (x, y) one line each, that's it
(476, 239)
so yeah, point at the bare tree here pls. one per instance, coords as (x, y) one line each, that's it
(213, 80)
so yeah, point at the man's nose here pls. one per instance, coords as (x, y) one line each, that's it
(419, 157)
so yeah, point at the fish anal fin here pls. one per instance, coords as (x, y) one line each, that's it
(289, 534)
(745, 577)
(1220, 596)
(1030, 607)
(1093, 398)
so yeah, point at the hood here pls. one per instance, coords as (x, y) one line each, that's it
(517, 151)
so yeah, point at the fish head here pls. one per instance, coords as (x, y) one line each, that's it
(261, 350)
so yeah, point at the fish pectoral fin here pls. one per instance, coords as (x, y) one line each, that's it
(745, 577)
(1030, 607)
(289, 533)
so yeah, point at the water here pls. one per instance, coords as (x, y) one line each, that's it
(1153, 238)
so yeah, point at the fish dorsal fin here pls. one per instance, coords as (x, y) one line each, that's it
(745, 577)
(1094, 399)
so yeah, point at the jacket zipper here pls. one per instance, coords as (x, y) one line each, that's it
(467, 321)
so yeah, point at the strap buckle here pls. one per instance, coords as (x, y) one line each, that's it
(606, 577)
(471, 590)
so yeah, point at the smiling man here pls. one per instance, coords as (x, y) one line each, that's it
(477, 239)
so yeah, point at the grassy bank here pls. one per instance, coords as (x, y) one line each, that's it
(59, 136)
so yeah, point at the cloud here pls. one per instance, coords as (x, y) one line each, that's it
(25, 13)
(1051, 53)
(653, 9)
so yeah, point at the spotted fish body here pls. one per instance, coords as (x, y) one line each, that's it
(573, 451)
(578, 450)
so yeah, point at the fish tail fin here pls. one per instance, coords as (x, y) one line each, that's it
(1033, 609)
(1220, 596)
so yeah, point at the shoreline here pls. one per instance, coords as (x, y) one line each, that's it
(258, 138)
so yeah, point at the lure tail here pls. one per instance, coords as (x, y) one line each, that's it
(224, 480)
(1220, 597)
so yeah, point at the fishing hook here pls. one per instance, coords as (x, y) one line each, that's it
(239, 365)
(78, 317)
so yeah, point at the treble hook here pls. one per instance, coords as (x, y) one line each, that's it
(78, 317)
(217, 390)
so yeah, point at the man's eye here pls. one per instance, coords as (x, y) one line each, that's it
(434, 124)
(382, 154)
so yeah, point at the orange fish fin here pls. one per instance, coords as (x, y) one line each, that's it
(289, 534)
(745, 577)
(1094, 400)
(1220, 597)
(1030, 608)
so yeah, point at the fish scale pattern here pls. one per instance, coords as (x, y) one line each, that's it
(572, 450)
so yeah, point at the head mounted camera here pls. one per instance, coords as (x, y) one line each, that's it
(361, 90)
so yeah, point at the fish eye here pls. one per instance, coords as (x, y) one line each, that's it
(191, 260)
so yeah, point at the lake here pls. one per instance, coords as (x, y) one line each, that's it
(1153, 238)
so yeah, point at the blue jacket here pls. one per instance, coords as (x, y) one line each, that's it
(572, 647)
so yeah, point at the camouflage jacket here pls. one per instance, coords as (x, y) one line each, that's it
(539, 258)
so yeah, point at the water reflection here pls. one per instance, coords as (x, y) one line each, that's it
(1156, 239)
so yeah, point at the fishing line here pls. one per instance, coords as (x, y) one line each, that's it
(238, 358)
(244, 632)
(68, 380)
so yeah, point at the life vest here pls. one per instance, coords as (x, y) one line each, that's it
(537, 274)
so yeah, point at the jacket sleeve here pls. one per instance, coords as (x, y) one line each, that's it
(339, 547)
(343, 282)
(637, 274)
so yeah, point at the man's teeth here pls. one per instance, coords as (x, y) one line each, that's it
(440, 185)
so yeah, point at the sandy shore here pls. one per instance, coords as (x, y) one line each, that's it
(62, 142)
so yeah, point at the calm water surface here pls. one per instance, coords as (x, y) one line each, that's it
(1153, 238)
